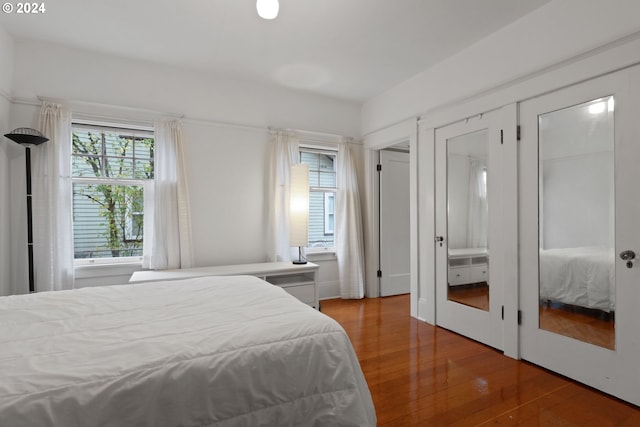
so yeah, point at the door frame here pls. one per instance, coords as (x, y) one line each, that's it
(388, 137)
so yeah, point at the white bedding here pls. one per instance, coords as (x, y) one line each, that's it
(578, 276)
(223, 351)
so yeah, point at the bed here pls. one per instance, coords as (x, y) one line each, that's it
(578, 276)
(219, 351)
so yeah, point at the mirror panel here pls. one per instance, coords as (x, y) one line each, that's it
(468, 219)
(576, 222)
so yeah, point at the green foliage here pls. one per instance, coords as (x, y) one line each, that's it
(108, 155)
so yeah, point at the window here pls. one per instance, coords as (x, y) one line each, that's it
(112, 173)
(322, 193)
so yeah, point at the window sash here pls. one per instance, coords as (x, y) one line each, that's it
(130, 219)
(321, 235)
(137, 164)
(99, 238)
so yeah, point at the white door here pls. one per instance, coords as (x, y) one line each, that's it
(469, 257)
(579, 210)
(394, 223)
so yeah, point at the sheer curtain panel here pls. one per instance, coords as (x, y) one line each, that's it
(52, 201)
(478, 214)
(283, 152)
(348, 226)
(168, 239)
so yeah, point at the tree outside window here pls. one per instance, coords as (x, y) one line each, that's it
(111, 169)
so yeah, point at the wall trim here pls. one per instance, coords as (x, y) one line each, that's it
(118, 113)
(6, 96)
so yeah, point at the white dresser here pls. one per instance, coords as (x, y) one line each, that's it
(468, 265)
(300, 280)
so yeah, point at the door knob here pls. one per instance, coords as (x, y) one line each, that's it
(628, 256)
(439, 239)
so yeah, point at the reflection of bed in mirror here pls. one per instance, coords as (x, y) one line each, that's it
(582, 277)
(468, 265)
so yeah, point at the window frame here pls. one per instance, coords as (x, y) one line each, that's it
(93, 180)
(325, 192)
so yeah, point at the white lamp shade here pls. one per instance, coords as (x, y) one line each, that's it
(299, 206)
(267, 9)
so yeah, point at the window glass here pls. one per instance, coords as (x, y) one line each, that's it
(109, 168)
(322, 190)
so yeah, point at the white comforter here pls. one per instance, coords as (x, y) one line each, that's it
(224, 351)
(578, 276)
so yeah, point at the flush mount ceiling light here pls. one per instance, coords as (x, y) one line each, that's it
(267, 9)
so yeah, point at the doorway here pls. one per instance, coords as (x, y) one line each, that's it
(394, 234)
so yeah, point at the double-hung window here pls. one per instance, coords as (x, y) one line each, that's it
(322, 195)
(112, 178)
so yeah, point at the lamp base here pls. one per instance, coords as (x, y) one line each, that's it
(300, 259)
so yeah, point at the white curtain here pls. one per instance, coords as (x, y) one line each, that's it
(283, 152)
(348, 226)
(52, 201)
(478, 215)
(168, 237)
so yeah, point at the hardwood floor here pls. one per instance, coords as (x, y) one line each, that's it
(475, 295)
(421, 375)
(592, 326)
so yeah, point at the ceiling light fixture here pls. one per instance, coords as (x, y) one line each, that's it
(267, 9)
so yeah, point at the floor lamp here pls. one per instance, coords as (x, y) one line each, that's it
(299, 209)
(28, 137)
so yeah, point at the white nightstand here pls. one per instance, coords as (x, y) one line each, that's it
(297, 279)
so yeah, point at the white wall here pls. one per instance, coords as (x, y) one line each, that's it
(578, 201)
(558, 31)
(225, 128)
(577, 165)
(6, 74)
(53, 71)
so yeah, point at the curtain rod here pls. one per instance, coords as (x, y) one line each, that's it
(322, 135)
(109, 106)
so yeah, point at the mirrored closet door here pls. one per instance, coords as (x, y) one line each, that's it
(468, 276)
(580, 234)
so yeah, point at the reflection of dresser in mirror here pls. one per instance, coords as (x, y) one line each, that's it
(468, 265)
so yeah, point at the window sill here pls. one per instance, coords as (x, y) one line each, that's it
(323, 255)
(106, 270)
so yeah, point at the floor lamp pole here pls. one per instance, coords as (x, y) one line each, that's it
(32, 285)
(28, 137)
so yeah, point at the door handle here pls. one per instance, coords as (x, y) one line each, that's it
(440, 239)
(628, 256)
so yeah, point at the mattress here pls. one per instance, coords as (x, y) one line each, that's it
(211, 351)
(578, 276)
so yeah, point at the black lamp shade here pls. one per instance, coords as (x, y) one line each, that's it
(26, 136)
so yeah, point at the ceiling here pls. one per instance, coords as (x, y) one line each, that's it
(350, 49)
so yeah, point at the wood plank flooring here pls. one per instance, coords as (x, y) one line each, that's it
(592, 326)
(476, 295)
(421, 375)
